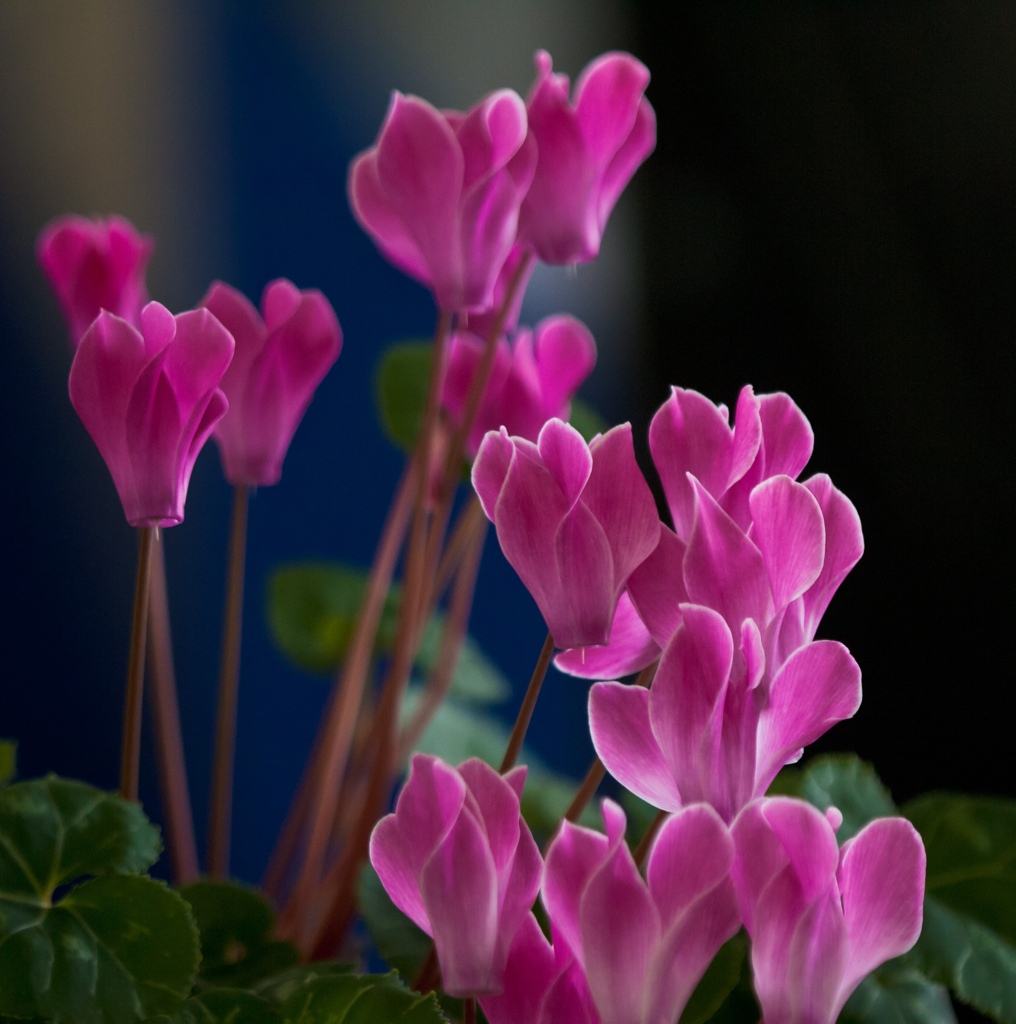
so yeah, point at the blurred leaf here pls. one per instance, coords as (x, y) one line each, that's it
(237, 945)
(222, 1006)
(718, 982)
(312, 609)
(969, 936)
(895, 994)
(846, 782)
(8, 761)
(586, 420)
(398, 941)
(280, 987)
(360, 999)
(402, 378)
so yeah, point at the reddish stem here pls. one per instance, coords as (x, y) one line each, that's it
(130, 748)
(528, 704)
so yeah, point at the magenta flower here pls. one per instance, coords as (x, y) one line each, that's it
(150, 399)
(95, 265)
(440, 192)
(520, 265)
(821, 918)
(643, 945)
(531, 381)
(281, 356)
(574, 520)
(588, 151)
(457, 858)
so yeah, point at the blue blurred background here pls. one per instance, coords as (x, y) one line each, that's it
(830, 212)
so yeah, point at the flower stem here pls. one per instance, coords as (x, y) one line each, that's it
(528, 704)
(647, 840)
(586, 791)
(172, 765)
(221, 801)
(469, 1011)
(130, 748)
(428, 978)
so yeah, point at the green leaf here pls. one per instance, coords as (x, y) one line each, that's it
(235, 924)
(399, 942)
(312, 609)
(280, 987)
(846, 782)
(8, 761)
(356, 999)
(718, 982)
(896, 994)
(402, 379)
(978, 965)
(116, 950)
(586, 420)
(971, 846)
(222, 1006)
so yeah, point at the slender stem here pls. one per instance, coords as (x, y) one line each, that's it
(221, 802)
(130, 748)
(183, 854)
(647, 840)
(586, 791)
(469, 1011)
(428, 978)
(528, 704)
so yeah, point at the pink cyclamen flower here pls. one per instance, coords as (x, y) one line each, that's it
(642, 945)
(95, 265)
(821, 918)
(281, 357)
(439, 193)
(531, 381)
(150, 399)
(588, 150)
(574, 520)
(457, 858)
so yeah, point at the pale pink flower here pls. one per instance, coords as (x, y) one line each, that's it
(588, 150)
(821, 918)
(95, 265)
(439, 193)
(459, 861)
(574, 520)
(642, 945)
(281, 356)
(150, 399)
(531, 381)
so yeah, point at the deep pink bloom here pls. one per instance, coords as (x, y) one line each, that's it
(95, 265)
(150, 399)
(822, 918)
(515, 275)
(281, 356)
(440, 192)
(457, 858)
(748, 540)
(587, 152)
(643, 945)
(531, 381)
(574, 520)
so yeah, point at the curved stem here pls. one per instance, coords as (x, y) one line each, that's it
(130, 748)
(221, 803)
(528, 704)
(647, 840)
(183, 854)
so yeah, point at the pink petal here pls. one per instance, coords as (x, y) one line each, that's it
(497, 804)
(789, 531)
(818, 686)
(566, 355)
(607, 98)
(529, 972)
(236, 313)
(490, 469)
(581, 615)
(567, 458)
(626, 161)
(623, 738)
(657, 587)
(459, 889)
(723, 569)
(881, 879)
(568, 1000)
(787, 437)
(518, 893)
(630, 649)
(490, 135)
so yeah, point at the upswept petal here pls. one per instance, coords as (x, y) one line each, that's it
(629, 650)
(620, 932)
(568, 1000)
(818, 686)
(585, 566)
(787, 528)
(623, 737)
(518, 893)
(529, 972)
(808, 967)
(723, 569)
(614, 178)
(657, 587)
(496, 805)
(574, 855)
(787, 437)
(686, 702)
(565, 356)
(619, 497)
(490, 135)
(567, 458)
(237, 314)
(490, 469)
(158, 328)
(607, 97)
(199, 356)
(881, 879)
(459, 884)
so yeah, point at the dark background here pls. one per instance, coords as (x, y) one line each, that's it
(830, 212)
